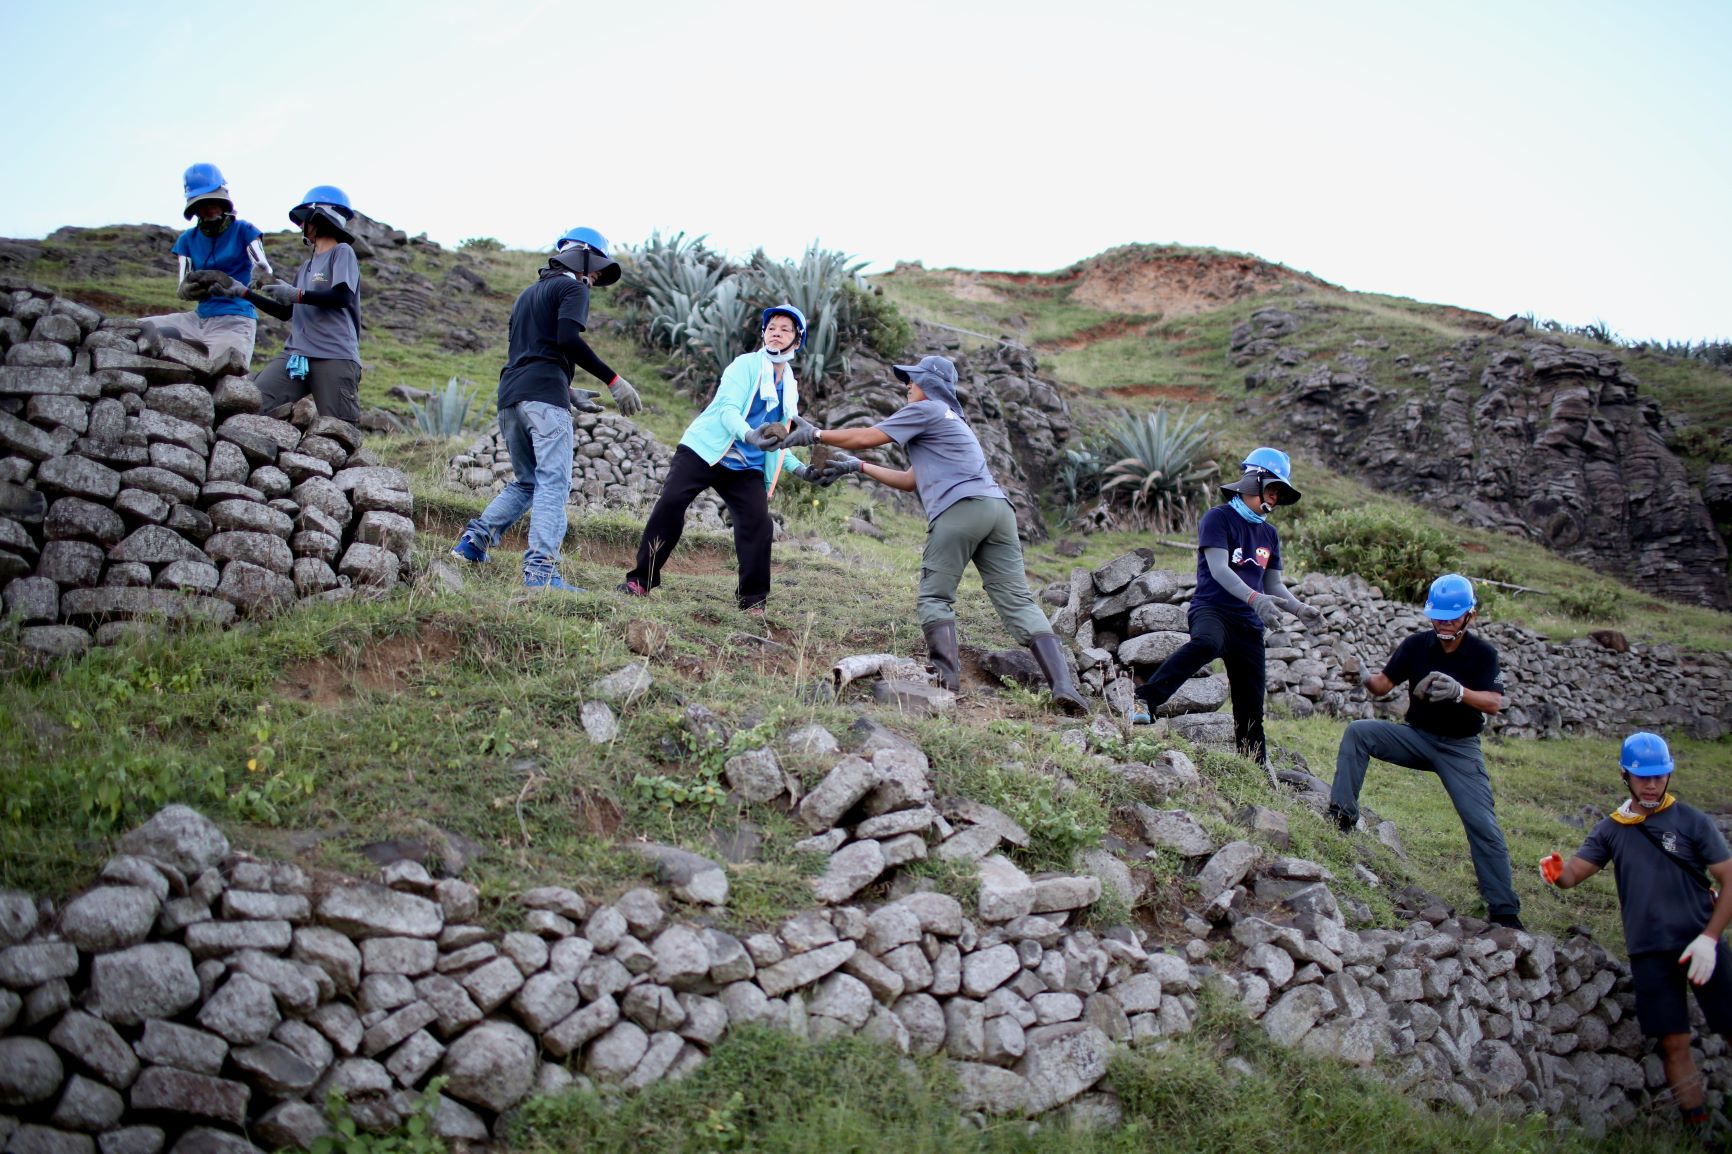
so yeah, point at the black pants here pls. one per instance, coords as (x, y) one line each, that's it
(1240, 647)
(742, 490)
(335, 385)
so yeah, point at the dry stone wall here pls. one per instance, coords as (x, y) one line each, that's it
(145, 488)
(1126, 617)
(198, 999)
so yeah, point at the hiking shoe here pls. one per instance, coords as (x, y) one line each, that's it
(1339, 817)
(469, 549)
(755, 611)
(1140, 714)
(632, 588)
(548, 581)
(1509, 921)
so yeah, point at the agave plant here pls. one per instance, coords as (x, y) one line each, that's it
(444, 414)
(1162, 465)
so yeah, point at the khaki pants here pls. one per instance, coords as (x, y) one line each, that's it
(981, 530)
(215, 333)
(335, 386)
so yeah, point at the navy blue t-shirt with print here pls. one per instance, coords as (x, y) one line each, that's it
(1474, 664)
(1252, 550)
(1664, 907)
(537, 368)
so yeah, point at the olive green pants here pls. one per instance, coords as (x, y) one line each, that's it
(981, 530)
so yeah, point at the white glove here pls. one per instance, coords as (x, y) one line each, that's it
(625, 397)
(1700, 955)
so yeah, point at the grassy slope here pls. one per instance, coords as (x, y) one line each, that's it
(333, 726)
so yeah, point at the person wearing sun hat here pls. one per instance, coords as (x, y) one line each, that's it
(968, 520)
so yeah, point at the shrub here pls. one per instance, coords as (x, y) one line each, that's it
(444, 413)
(1393, 550)
(1161, 463)
(480, 244)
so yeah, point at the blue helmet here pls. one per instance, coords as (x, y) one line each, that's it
(1645, 755)
(792, 313)
(1450, 597)
(1261, 468)
(329, 204)
(205, 182)
(583, 251)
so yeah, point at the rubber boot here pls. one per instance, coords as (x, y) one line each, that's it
(941, 652)
(1049, 655)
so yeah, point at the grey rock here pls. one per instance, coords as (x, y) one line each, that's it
(1057, 893)
(180, 837)
(624, 686)
(1173, 829)
(849, 780)
(411, 1061)
(851, 869)
(614, 1055)
(490, 985)
(1226, 869)
(370, 566)
(154, 980)
(291, 1126)
(456, 1010)
(365, 911)
(803, 969)
(74, 517)
(131, 1140)
(243, 1011)
(599, 722)
(575, 1031)
(252, 905)
(31, 1138)
(409, 956)
(1006, 893)
(95, 1046)
(109, 918)
(180, 1092)
(970, 843)
(691, 877)
(544, 1000)
(167, 1044)
(756, 775)
(332, 952)
(276, 1069)
(492, 1066)
(985, 970)
(1293, 1015)
(30, 1071)
(214, 939)
(339, 1023)
(389, 1031)
(1061, 1063)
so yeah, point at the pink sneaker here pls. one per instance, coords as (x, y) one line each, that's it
(632, 588)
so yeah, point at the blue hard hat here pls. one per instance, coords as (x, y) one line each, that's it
(1645, 755)
(1450, 596)
(205, 182)
(584, 250)
(1265, 466)
(327, 203)
(792, 313)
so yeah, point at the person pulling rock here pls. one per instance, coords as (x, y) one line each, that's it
(545, 346)
(729, 447)
(1455, 683)
(1663, 854)
(1238, 590)
(968, 519)
(217, 257)
(323, 307)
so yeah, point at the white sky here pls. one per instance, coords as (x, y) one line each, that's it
(1573, 159)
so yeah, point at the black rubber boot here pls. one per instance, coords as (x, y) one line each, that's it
(941, 652)
(1049, 655)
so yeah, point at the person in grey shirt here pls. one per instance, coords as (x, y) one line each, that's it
(968, 518)
(323, 308)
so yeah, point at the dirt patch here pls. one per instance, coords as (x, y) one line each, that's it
(384, 666)
(1109, 331)
(686, 559)
(1185, 393)
(1178, 283)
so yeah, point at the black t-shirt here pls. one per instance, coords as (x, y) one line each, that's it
(1474, 664)
(539, 368)
(1663, 907)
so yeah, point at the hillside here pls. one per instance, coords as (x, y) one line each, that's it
(455, 725)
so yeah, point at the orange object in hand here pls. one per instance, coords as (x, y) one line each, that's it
(1552, 868)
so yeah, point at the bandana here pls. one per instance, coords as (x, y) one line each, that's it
(1631, 814)
(1244, 511)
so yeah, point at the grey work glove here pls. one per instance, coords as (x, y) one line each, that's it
(838, 466)
(228, 287)
(262, 276)
(809, 475)
(800, 433)
(625, 397)
(767, 437)
(1438, 687)
(281, 293)
(1264, 606)
(583, 400)
(197, 284)
(1309, 614)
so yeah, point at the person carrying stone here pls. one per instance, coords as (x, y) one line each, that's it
(1663, 854)
(968, 519)
(1238, 590)
(545, 348)
(217, 257)
(1454, 684)
(323, 307)
(729, 447)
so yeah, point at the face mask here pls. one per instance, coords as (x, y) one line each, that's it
(1245, 511)
(216, 227)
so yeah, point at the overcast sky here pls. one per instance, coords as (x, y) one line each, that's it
(1571, 159)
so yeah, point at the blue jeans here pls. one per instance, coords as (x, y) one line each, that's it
(538, 437)
(1458, 763)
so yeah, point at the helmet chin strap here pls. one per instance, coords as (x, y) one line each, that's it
(780, 358)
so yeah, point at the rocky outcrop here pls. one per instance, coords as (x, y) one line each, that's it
(141, 489)
(1126, 617)
(1549, 441)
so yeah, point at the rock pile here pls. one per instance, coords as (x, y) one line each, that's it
(1553, 442)
(1127, 617)
(614, 465)
(141, 488)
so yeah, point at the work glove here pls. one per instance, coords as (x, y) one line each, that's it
(767, 437)
(262, 276)
(1552, 868)
(1264, 607)
(197, 284)
(1438, 687)
(838, 466)
(1699, 955)
(809, 475)
(583, 400)
(625, 397)
(228, 286)
(281, 292)
(801, 433)
(1309, 614)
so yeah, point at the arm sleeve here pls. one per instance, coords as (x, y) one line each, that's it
(1274, 587)
(906, 423)
(185, 266)
(268, 306)
(584, 357)
(340, 297)
(256, 250)
(1223, 573)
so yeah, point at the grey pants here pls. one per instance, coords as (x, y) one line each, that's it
(223, 332)
(335, 385)
(981, 530)
(1458, 762)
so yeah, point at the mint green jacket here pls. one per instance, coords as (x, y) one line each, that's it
(713, 431)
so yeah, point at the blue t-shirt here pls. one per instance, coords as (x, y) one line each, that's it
(1252, 550)
(742, 456)
(227, 252)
